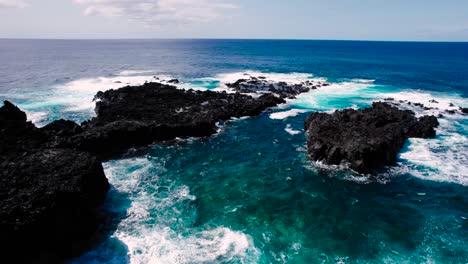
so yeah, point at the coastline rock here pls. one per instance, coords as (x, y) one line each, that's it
(283, 89)
(62, 128)
(140, 115)
(52, 181)
(48, 196)
(49, 202)
(367, 139)
(16, 134)
(173, 81)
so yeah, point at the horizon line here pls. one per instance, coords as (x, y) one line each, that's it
(267, 39)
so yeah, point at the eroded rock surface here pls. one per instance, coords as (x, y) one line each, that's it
(52, 180)
(252, 84)
(366, 139)
(48, 196)
(140, 115)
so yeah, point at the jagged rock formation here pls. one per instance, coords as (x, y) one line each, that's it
(48, 196)
(365, 139)
(52, 180)
(284, 90)
(140, 115)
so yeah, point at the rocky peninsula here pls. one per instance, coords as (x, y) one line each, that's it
(52, 180)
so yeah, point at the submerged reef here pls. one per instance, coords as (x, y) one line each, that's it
(367, 139)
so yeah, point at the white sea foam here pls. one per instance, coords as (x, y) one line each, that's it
(444, 157)
(441, 159)
(166, 246)
(344, 172)
(36, 117)
(135, 72)
(291, 131)
(286, 114)
(336, 96)
(77, 95)
(159, 228)
(439, 102)
(290, 78)
(363, 80)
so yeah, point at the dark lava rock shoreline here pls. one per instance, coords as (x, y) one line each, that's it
(256, 84)
(140, 115)
(52, 181)
(367, 139)
(49, 197)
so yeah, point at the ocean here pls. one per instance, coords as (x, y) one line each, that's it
(249, 194)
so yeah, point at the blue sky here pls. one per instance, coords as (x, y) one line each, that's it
(430, 20)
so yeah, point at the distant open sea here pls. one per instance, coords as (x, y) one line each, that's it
(249, 194)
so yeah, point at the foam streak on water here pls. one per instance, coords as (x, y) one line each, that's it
(159, 223)
(250, 194)
(286, 114)
(440, 159)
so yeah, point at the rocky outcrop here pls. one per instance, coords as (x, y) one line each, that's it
(174, 81)
(367, 139)
(52, 180)
(140, 115)
(432, 105)
(48, 196)
(258, 84)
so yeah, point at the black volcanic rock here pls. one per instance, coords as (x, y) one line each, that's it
(48, 203)
(365, 139)
(61, 128)
(174, 81)
(139, 115)
(283, 89)
(48, 196)
(17, 135)
(52, 180)
(11, 115)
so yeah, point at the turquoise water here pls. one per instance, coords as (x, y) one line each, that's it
(249, 194)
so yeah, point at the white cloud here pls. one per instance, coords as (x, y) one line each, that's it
(12, 4)
(156, 13)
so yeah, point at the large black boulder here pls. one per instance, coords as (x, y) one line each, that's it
(366, 139)
(48, 196)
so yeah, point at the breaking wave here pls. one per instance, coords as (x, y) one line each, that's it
(158, 226)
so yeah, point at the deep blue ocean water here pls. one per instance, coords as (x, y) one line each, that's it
(249, 194)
